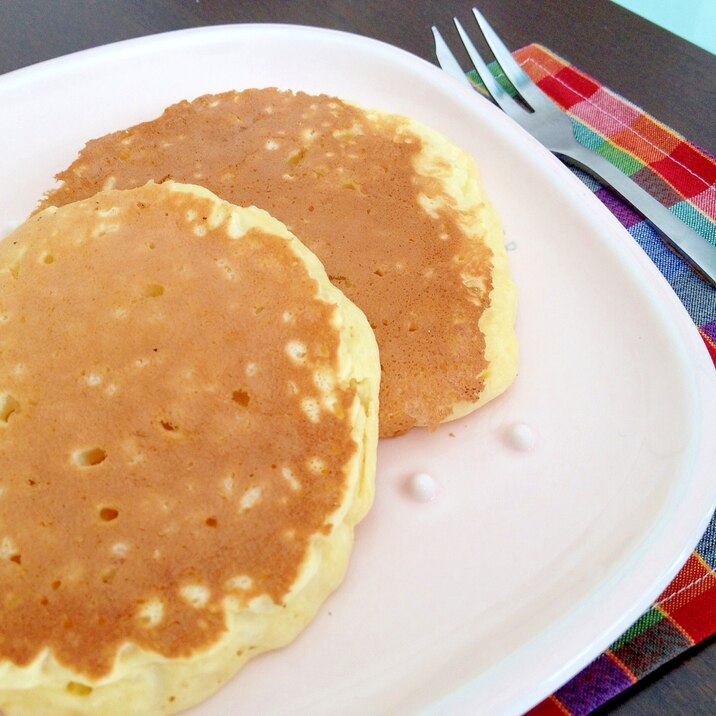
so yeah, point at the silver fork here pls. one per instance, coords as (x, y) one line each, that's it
(553, 128)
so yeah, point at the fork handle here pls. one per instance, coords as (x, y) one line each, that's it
(689, 244)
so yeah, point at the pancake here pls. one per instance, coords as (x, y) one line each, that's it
(393, 209)
(188, 429)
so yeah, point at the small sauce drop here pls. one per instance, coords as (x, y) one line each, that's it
(422, 487)
(521, 437)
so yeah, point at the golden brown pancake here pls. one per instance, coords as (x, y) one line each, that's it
(188, 427)
(395, 212)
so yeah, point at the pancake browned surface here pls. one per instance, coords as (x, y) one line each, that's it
(395, 212)
(188, 426)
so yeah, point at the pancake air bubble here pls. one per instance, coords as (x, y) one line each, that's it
(152, 290)
(240, 582)
(195, 594)
(241, 397)
(108, 514)
(151, 613)
(78, 689)
(89, 457)
(296, 351)
(8, 406)
(227, 486)
(250, 498)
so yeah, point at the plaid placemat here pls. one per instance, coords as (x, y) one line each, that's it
(683, 177)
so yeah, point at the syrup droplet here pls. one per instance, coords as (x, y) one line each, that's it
(422, 487)
(521, 437)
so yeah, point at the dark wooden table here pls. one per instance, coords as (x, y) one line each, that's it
(668, 77)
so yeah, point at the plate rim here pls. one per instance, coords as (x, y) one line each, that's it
(662, 295)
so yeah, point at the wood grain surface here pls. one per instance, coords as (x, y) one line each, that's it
(665, 75)
(669, 77)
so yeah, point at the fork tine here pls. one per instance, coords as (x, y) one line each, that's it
(497, 92)
(527, 89)
(447, 60)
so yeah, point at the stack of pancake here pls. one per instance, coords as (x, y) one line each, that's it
(189, 414)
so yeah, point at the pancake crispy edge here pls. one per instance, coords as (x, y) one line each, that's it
(143, 681)
(457, 170)
(418, 248)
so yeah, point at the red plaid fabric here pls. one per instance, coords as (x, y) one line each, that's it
(683, 177)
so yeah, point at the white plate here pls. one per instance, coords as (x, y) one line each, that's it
(528, 563)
